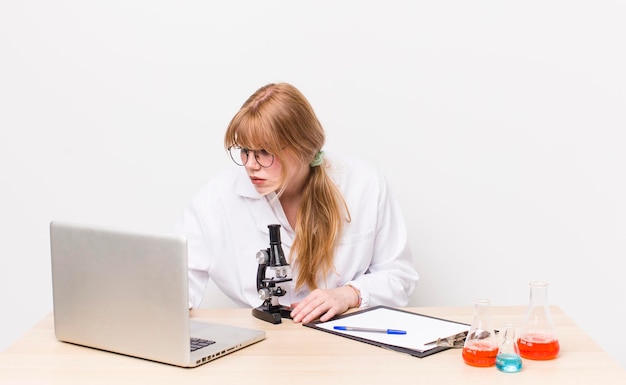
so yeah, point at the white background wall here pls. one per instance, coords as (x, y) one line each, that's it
(500, 125)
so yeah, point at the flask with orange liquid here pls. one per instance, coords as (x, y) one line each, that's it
(537, 338)
(481, 345)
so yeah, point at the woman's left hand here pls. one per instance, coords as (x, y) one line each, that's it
(324, 304)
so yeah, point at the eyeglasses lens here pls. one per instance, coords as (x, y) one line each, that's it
(240, 156)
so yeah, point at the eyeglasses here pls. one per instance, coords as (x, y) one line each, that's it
(240, 156)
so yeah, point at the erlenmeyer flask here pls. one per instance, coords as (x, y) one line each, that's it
(537, 338)
(481, 345)
(508, 359)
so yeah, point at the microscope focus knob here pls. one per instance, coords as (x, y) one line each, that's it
(262, 257)
(264, 294)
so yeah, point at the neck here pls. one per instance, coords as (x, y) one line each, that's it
(290, 204)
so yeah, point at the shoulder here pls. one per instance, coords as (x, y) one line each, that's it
(220, 181)
(227, 184)
(347, 170)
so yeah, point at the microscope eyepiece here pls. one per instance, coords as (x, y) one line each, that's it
(274, 234)
(277, 257)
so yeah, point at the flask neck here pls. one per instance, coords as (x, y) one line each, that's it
(482, 320)
(509, 333)
(538, 320)
(538, 294)
(481, 309)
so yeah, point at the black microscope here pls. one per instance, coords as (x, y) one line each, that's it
(269, 289)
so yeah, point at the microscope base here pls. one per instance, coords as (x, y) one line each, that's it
(275, 315)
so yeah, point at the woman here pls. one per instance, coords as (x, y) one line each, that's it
(341, 228)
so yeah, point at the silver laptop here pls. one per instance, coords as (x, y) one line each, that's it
(128, 293)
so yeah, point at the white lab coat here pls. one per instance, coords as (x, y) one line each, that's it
(226, 224)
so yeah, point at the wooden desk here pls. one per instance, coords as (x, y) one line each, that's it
(293, 354)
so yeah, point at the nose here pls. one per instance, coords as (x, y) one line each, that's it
(252, 163)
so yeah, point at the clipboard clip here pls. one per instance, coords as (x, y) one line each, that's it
(454, 341)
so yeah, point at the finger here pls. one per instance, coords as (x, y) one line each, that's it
(298, 308)
(328, 315)
(314, 314)
(310, 311)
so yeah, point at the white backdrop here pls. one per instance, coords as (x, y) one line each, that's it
(499, 124)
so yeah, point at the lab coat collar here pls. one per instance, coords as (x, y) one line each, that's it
(244, 187)
(263, 207)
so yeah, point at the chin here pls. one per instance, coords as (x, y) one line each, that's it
(263, 190)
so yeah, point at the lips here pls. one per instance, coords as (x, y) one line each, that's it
(256, 181)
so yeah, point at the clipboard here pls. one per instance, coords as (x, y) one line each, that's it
(422, 330)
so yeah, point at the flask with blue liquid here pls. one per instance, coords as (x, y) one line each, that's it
(508, 359)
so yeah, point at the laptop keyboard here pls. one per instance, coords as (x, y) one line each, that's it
(199, 343)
